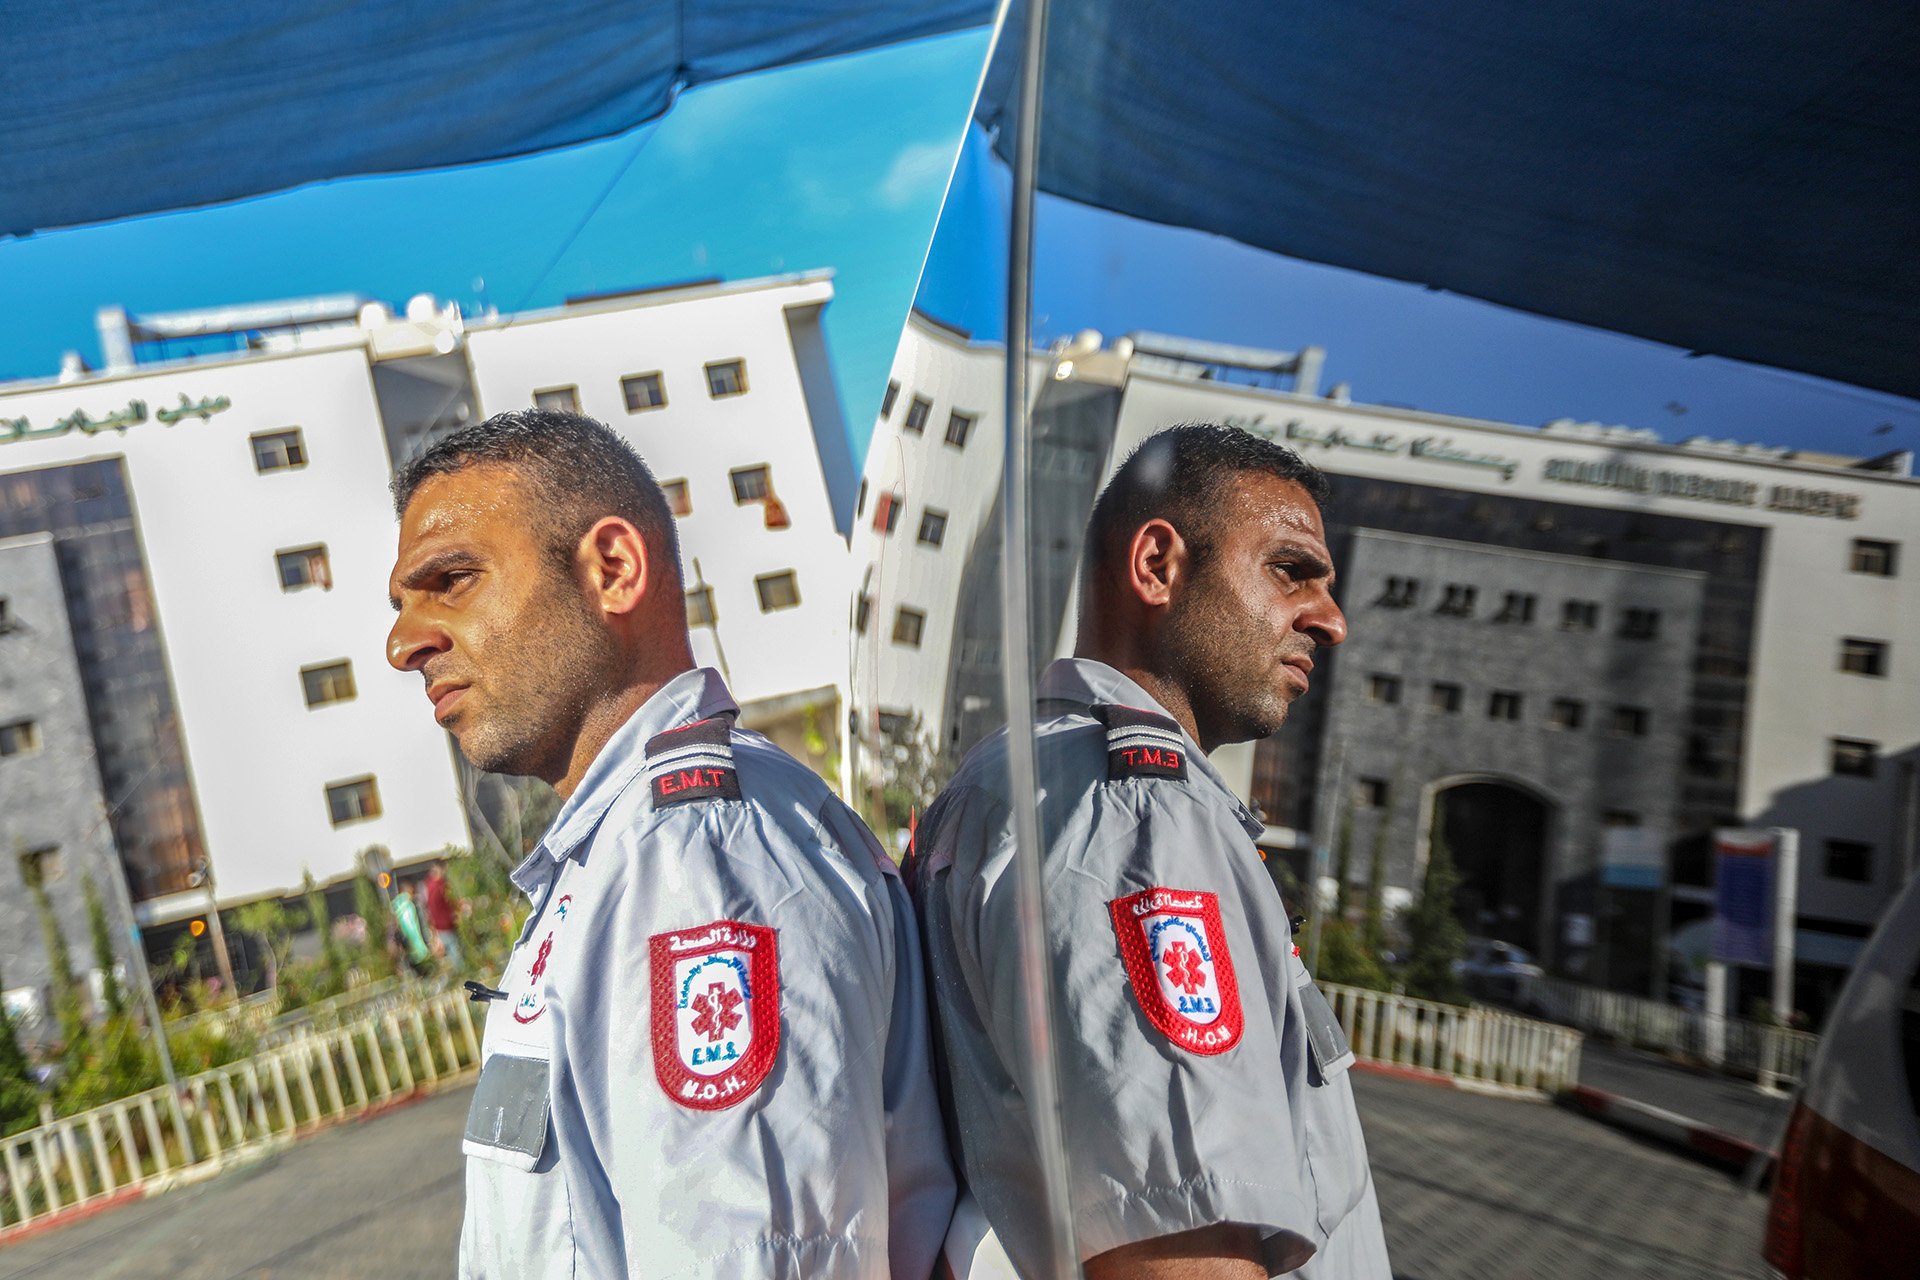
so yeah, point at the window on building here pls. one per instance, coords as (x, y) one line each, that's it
(354, 800)
(860, 503)
(918, 409)
(933, 527)
(1400, 593)
(1579, 615)
(559, 399)
(1619, 818)
(1629, 722)
(750, 484)
(1443, 696)
(42, 866)
(1877, 558)
(1458, 601)
(278, 450)
(1516, 607)
(1566, 713)
(644, 391)
(1383, 688)
(304, 567)
(1371, 793)
(700, 606)
(679, 500)
(1863, 657)
(1854, 758)
(886, 512)
(1503, 704)
(1639, 624)
(862, 613)
(887, 400)
(6, 616)
(959, 427)
(19, 737)
(1849, 860)
(777, 590)
(327, 682)
(908, 624)
(726, 378)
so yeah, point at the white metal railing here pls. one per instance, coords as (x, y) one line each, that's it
(278, 1093)
(1467, 1044)
(1773, 1055)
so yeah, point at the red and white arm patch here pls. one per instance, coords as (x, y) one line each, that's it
(1175, 950)
(716, 1011)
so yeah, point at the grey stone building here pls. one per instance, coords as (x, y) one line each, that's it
(53, 815)
(1517, 704)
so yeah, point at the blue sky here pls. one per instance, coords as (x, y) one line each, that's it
(1395, 343)
(840, 163)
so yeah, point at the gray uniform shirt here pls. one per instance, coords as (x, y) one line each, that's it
(1202, 1075)
(711, 1056)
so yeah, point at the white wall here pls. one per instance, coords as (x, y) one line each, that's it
(235, 642)
(701, 439)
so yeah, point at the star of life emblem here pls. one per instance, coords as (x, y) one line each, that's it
(1175, 952)
(531, 1001)
(716, 1011)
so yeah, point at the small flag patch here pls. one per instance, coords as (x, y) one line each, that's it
(693, 762)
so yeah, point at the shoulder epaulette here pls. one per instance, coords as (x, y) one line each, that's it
(693, 762)
(1142, 744)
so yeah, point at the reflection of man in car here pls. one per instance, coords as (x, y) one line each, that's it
(1209, 1122)
(709, 1054)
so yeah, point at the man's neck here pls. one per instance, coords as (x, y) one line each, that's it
(602, 721)
(1168, 692)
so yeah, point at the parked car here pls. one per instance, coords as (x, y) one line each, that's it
(1846, 1193)
(1498, 971)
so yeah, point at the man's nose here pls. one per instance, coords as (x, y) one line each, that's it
(412, 641)
(1324, 621)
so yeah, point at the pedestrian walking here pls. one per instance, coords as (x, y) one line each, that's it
(708, 1055)
(1209, 1122)
(443, 916)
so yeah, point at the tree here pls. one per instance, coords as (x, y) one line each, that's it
(1343, 861)
(321, 921)
(19, 1094)
(1373, 934)
(267, 921)
(111, 995)
(1436, 939)
(69, 1013)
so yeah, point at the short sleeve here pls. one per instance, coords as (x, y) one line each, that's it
(1177, 1109)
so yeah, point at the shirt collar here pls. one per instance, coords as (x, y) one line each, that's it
(699, 694)
(1083, 682)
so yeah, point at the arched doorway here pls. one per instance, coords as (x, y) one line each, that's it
(1497, 834)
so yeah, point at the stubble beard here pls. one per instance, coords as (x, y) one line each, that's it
(1220, 655)
(544, 673)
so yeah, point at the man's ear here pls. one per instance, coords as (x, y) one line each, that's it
(1156, 557)
(618, 568)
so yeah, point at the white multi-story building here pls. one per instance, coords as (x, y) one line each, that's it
(223, 534)
(1578, 553)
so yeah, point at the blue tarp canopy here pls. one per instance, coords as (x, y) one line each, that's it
(116, 107)
(1737, 179)
(1741, 179)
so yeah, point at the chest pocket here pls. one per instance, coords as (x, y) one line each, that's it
(519, 1214)
(1336, 1148)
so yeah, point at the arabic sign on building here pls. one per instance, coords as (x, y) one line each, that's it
(1427, 448)
(22, 428)
(1701, 488)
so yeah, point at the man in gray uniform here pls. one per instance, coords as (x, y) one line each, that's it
(708, 1056)
(1209, 1122)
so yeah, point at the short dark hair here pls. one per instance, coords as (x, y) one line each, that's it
(577, 469)
(1177, 475)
